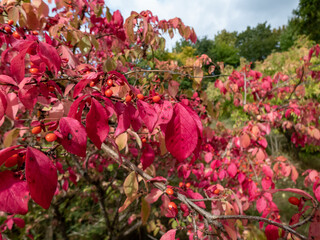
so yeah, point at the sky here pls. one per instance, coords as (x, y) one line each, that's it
(208, 17)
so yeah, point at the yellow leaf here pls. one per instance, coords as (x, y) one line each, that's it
(131, 186)
(121, 140)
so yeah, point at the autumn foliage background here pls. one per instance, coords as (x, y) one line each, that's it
(106, 135)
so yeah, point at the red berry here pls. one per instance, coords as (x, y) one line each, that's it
(108, 92)
(36, 130)
(143, 140)
(172, 206)
(33, 70)
(217, 191)
(51, 137)
(128, 98)
(7, 29)
(294, 201)
(110, 82)
(169, 191)
(10, 22)
(188, 185)
(156, 98)
(12, 161)
(16, 35)
(181, 184)
(35, 33)
(92, 83)
(140, 96)
(51, 88)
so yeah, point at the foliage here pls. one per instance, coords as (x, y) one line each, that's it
(308, 18)
(258, 42)
(96, 129)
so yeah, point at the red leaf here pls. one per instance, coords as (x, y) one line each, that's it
(154, 195)
(3, 105)
(148, 114)
(271, 232)
(244, 140)
(14, 194)
(74, 136)
(123, 114)
(164, 111)
(49, 56)
(8, 152)
(28, 96)
(84, 82)
(181, 133)
(314, 232)
(19, 222)
(170, 235)
(97, 123)
(41, 175)
(17, 66)
(147, 156)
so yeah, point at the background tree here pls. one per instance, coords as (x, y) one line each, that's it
(258, 42)
(308, 18)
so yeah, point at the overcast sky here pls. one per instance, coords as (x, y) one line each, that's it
(208, 17)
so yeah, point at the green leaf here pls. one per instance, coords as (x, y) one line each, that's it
(109, 65)
(130, 185)
(85, 45)
(145, 211)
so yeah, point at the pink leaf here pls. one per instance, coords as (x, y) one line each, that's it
(147, 156)
(294, 190)
(14, 194)
(261, 204)
(41, 175)
(49, 56)
(317, 193)
(7, 80)
(181, 133)
(195, 195)
(232, 170)
(74, 136)
(170, 235)
(294, 174)
(173, 88)
(244, 140)
(97, 123)
(154, 195)
(157, 179)
(148, 114)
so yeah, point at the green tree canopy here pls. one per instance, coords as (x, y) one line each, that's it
(308, 18)
(258, 42)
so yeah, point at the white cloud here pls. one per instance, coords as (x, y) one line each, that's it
(208, 17)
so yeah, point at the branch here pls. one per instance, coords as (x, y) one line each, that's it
(212, 219)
